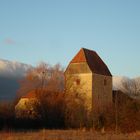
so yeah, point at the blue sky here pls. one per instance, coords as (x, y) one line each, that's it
(54, 30)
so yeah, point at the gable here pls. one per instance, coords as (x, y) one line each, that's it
(75, 68)
(92, 59)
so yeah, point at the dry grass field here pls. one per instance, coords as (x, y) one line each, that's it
(66, 135)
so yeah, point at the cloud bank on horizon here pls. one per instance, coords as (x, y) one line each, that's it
(11, 73)
(13, 68)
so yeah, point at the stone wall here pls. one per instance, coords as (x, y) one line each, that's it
(97, 89)
(102, 92)
(26, 108)
(78, 77)
(75, 68)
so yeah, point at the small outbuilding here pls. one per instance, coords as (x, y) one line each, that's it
(27, 106)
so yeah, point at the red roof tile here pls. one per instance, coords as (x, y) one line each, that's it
(34, 93)
(30, 94)
(80, 57)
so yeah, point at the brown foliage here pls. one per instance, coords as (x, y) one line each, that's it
(59, 108)
(51, 108)
(47, 83)
(43, 76)
(128, 112)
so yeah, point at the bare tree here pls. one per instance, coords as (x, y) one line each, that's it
(132, 87)
(47, 83)
(42, 77)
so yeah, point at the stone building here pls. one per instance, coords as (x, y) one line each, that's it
(90, 75)
(26, 106)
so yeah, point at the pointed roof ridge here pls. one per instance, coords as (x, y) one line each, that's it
(79, 57)
(85, 49)
(95, 63)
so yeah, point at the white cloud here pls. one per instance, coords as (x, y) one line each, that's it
(12, 68)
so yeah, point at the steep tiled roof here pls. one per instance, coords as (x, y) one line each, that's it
(80, 57)
(34, 93)
(94, 62)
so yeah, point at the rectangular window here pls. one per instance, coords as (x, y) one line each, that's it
(77, 81)
(105, 82)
